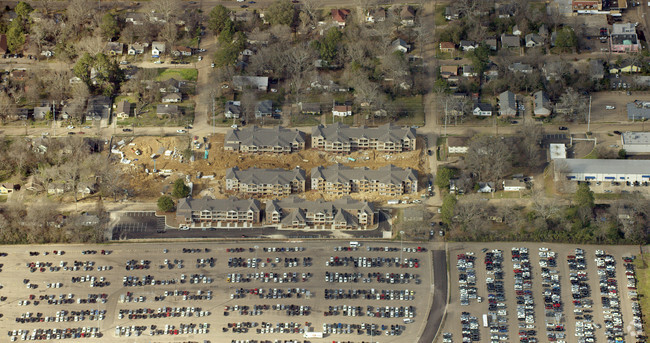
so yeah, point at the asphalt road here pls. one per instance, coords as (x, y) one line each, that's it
(440, 289)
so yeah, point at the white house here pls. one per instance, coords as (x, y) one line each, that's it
(514, 185)
(342, 110)
(457, 145)
(157, 49)
(486, 187)
(482, 109)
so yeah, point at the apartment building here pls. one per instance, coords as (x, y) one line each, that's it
(265, 182)
(342, 214)
(343, 180)
(209, 213)
(256, 139)
(343, 138)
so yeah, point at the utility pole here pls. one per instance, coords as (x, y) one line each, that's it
(54, 116)
(213, 117)
(589, 115)
(445, 118)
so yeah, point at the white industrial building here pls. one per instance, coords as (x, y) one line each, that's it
(636, 142)
(557, 150)
(602, 170)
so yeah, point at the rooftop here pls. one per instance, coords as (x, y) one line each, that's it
(557, 151)
(601, 166)
(636, 138)
(265, 176)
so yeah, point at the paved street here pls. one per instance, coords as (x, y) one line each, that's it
(440, 291)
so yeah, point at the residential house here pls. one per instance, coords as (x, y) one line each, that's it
(597, 69)
(541, 104)
(341, 110)
(341, 214)
(448, 71)
(123, 109)
(56, 188)
(3, 44)
(491, 43)
(467, 45)
(18, 74)
(507, 104)
(626, 67)
(172, 98)
(256, 139)
(343, 138)
(310, 108)
(486, 187)
(624, 38)
(555, 70)
(447, 47)
(254, 82)
(170, 85)
(505, 10)
(407, 15)
(457, 145)
(400, 45)
(209, 213)
(638, 110)
(98, 108)
(587, 6)
(6, 189)
(510, 41)
(482, 109)
(543, 31)
(514, 185)
(157, 49)
(519, 67)
(339, 179)
(41, 112)
(339, 16)
(47, 53)
(265, 182)
(166, 110)
(534, 40)
(232, 109)
(468, 71)
(181, 51)
(264, 108)
(135, 49)
(114, 48)
(376, 15)
(452, 13)
(516, 31)
(135, 18)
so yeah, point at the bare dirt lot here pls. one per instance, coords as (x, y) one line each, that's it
(167, 151)
(476, 309)
(194, 277)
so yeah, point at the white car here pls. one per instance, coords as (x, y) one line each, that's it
(158, 62)
(610, 107)
(70, 127)
(181, 131)
(234, 126)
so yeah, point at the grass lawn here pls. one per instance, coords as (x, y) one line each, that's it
(304, 120)
(440, 15)
(128, 98)
(607, 196)
(147, 117)
(3, 198)
(186, 74)
(410, 110)
(592, 155)
(349, 120)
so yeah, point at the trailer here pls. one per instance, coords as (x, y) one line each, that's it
(313, 335)
(485, 320)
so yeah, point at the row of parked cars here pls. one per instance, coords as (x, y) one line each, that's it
(610, 296)
(497, 319)
(523, 287)
(466, 277)
(581, 294)
(630, 275)
(552, 292)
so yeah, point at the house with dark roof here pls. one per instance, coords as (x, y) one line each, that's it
(167, 110)
(510, 41)
(533, 40)
(216, 213)
(309, 108)
(339, 179)
(376, 15)
(41, 112)
(135, 49)
(232, 109)
(123, 109)
(482, 109)
(172, 98)
(98, 108)
(114, 48)
(181, 51)
(255, 139)
(170, 85)
(457, 145)
(467, 45)
(265, 182)
(452, 13)
(519, 67)
(400, 45)
(343, 138)
(407, 15)
(135, 18)
(254, 82)
(264, 108)
(491, 43)
(341, 214)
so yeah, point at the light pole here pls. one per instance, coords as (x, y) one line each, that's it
(401, 249)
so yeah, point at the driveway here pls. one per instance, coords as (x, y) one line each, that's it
(439, 304)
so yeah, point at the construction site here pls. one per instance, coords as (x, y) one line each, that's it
(154, 163)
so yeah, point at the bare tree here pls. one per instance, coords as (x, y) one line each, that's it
(489, 157)
(248, 104)
(77, 13)
(91, 44)
(572, 105)
(169, 9)
(531, 139)
(7, 106)
(169, 34)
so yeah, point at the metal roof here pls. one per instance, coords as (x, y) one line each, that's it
(600, 166)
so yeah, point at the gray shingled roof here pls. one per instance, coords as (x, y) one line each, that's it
(507, 103)
(338, 208)
(510, 41)
(339, 173)
(209, 204)
(590, 166)
(638, 110)
(256, 136)
(343, 133)
(265, 176)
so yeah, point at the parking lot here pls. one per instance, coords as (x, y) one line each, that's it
(526, 292)
(216, 292)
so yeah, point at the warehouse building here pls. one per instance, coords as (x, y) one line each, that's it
(602, 170)
(636, 142)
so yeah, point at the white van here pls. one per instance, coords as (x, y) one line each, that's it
(355, 244)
